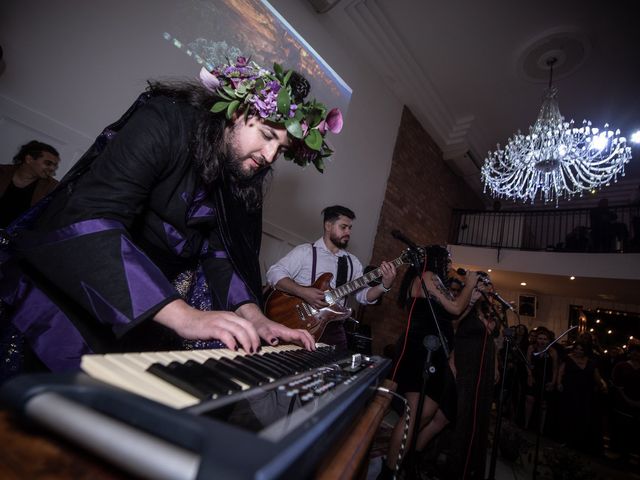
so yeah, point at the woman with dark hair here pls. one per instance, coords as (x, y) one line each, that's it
(425, 315)
(578, 382)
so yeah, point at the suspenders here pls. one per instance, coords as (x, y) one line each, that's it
(315, 261)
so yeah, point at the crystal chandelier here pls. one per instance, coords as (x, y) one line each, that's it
(556, 158)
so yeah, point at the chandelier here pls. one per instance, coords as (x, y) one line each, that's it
(556, 159)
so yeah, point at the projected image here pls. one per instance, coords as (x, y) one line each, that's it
(215, 31)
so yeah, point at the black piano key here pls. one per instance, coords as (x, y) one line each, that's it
(283, 359)
(260, 373)
(285, 369)
(243, 376)
(307, 358)
(315, 359)
(219, 380)
(190, 372)
(169, 375)
(260, 366)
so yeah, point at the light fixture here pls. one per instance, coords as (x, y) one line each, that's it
(524, 284)
(572, 277)
(556, 159)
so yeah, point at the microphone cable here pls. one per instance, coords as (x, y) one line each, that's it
(476, 399)
(406, 333)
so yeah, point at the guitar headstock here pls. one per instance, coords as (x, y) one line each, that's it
(411, 255)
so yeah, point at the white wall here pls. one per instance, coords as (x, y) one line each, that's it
(73, 67)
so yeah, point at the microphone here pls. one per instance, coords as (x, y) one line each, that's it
(397, 234)
(502, 301)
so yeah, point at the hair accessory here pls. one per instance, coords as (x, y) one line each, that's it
(252, 90)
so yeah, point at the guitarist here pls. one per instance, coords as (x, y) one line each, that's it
(298, 270)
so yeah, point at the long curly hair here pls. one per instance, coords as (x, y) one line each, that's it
(207, 144)
(437, 261)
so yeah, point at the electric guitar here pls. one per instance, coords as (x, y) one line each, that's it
(294, 312)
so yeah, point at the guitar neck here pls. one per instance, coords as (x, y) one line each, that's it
(360, 282)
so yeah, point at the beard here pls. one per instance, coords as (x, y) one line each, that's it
(339, 242)
(232, 161)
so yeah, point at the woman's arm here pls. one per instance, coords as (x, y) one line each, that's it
(436, 288)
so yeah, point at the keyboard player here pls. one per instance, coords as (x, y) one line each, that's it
(150, 242)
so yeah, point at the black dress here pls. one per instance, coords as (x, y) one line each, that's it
(475, 365)
(579, 406)
(441, 385)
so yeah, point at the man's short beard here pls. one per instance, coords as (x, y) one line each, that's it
(339, 243)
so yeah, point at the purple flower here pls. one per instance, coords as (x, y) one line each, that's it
(292, 110)
(209, 80)
(266, 105)
(274, 86)
(334, 120)
(241, 61)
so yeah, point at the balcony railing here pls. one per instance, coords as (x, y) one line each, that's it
(612, 229)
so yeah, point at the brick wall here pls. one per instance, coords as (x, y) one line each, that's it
(421, 193)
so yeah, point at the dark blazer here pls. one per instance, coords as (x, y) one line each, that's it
(43, 187)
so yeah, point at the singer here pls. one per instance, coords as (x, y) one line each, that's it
(477, 373)
(439, 406)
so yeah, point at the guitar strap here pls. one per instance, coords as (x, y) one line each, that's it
(314, 256)
(313, 265)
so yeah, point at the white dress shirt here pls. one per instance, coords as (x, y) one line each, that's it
(298, 264)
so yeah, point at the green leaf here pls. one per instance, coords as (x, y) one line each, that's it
(284, 102)
(285, 81)
(319, 164)
(293, 127)
(277, 68)
(232, 108)
(313, 140)
(219, 106)
(229, 91)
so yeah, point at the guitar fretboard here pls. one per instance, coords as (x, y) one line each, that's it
(358, 283)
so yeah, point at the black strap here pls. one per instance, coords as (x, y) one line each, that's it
(313, 265)
(343, 267)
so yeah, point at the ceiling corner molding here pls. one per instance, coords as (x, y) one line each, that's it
(408, 81)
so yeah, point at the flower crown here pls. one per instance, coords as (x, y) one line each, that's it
(248, 88)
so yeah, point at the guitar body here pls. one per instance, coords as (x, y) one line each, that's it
(294, 312)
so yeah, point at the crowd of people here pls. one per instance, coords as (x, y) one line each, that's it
(575, 393)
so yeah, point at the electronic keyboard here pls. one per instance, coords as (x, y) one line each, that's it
(200, 414)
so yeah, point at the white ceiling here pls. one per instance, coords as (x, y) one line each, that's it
(465, 69)
(462, 67)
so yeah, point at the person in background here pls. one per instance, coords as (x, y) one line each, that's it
(28, 180)
(579, 381)
(541, 370)
(625, 421)
(440, 402)
(297, 271)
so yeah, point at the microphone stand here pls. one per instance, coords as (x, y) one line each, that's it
(432, 343)
(543, 403)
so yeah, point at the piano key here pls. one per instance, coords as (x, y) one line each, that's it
(126, 373)
(222, 382)
(261, 367)
(246, 379)
(169, 374)
(249, 369)
(271, 363)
